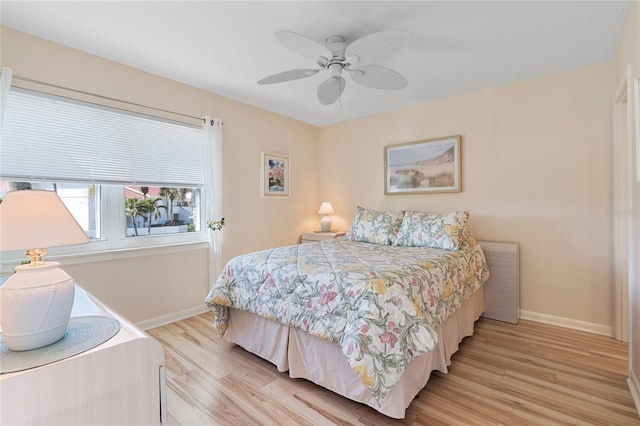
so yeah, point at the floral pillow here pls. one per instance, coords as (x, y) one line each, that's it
(443, 231)
(373, 226)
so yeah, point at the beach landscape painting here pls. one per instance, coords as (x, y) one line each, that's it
(426, 166)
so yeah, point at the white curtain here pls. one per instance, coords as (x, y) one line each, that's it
(213, 191)
(5, 85)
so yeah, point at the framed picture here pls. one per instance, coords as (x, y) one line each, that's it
(274, 175)
(422, 167)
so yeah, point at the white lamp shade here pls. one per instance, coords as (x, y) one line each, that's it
(33, 219)
(326, 208)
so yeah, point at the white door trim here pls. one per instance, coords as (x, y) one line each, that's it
(620, 204)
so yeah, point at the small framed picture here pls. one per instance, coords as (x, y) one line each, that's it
(274, 175)
(428, 166)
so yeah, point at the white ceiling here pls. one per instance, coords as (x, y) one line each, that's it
(226, 47)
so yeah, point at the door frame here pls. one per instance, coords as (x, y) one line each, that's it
(620, 171)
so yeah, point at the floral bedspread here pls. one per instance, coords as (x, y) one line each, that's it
(379, 303)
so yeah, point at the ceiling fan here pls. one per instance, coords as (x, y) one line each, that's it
(357, 58)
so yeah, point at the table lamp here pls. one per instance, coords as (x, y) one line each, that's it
(36, 301)
(325, 209)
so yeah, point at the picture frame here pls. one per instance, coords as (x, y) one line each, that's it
(423, 167)
(274, 175)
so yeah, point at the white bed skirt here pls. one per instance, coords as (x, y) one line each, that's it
(308, 357)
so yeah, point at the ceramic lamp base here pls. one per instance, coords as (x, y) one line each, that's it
(325, 224)
(35, 306)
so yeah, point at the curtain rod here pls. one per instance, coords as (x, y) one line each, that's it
(17, 77)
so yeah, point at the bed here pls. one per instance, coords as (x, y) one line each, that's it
(368, 316)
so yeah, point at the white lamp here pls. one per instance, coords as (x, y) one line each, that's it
(36, 301)
(325, 209)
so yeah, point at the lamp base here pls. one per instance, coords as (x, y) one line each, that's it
(325, 224)
(35, 306)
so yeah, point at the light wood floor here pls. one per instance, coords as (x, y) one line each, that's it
(504, 374)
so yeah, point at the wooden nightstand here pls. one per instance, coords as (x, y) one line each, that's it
(310, 237)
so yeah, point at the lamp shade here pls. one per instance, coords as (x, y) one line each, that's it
(37, 219)
(326, 208)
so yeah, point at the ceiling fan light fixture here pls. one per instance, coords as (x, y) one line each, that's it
(335, 69)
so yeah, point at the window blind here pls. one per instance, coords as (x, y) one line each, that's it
(46, 137)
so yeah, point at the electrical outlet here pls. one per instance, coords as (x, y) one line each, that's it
(206, 282)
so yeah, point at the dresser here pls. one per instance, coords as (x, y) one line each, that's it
(120, 382)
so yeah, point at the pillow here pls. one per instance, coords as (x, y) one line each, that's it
(444, 231)
(373, 226)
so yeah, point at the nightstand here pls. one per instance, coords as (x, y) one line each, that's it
(311, 237)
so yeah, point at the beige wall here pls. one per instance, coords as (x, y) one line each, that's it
(147, 287)
(629, 53)
(144, 288)
(536, 170)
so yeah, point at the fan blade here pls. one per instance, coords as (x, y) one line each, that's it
(379, 77)
(375, 47)
(303, 45)
(288, 76)
(331, 89)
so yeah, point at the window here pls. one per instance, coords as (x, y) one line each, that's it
(130, 180)
(154, 210)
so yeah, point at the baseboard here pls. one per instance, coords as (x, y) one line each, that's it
(634, 388)
(590, 327)
(173, 317)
